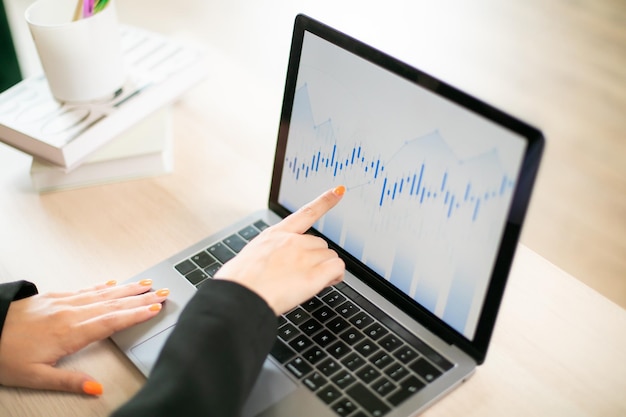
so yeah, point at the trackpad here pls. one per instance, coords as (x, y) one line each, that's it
(147, 352)
(271, 386)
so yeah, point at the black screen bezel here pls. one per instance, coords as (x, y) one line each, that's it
(477, 347)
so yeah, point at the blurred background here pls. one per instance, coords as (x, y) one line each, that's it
(559, 65)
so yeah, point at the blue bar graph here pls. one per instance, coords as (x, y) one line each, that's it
(411, 185)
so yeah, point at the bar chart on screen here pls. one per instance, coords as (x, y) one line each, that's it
(404, 174)
(415, 212)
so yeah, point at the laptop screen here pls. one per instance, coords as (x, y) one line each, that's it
(429, 183)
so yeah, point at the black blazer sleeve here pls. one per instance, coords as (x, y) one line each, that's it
(12, 291)
(212, 358)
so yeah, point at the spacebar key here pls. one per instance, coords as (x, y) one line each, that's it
(368, 400)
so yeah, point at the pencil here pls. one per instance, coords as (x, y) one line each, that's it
(78, 9)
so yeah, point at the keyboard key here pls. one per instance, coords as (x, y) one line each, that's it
(235, 242)
(310, 327)
(396, 371)
(200, 285)
(337, 325)
(347, 309)
(196, 276)
(203, 259)
(185, 267)
(376, 331)
(299, 367)
(383, 386)
(328, 367)
(339, 349)
(314, 355)
(324, 338)
(288, 332)
(333, 298)
(281, 352)
(381, 359)
(405, 354)
(353, 361)
(344, 407)
(248, 233)
(324, 314)
(368, 400)
(390, 342)
(424, 369)
(408, 387)
(313, 304)
(351, 336)
(298, 316)
(329, 394)
(261, 225)
(366, 347)
(314, 381)
(361, 320)
(368, 373)
(300, 343)
(281, 320)
(221, 252)
(212, 269)
(343, 379)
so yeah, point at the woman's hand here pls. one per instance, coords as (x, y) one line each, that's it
(285, 266)
(42, 329)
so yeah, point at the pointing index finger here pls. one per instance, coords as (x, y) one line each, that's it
(302, 220)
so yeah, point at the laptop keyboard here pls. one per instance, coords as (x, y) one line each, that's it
(347, 351)
(204, 264)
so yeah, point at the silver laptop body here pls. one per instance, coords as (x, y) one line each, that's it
(438, 186)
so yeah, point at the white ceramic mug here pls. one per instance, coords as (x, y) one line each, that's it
(81, 58)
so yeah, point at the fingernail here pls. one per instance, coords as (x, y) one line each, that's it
(111, 283)
(92, 388)
(155, 307)
(164, 292)
(145, 282)
(339, 190)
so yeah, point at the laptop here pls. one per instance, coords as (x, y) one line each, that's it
(438, 184)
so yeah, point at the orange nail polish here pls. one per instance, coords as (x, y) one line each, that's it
(145, 282)
(155, 307)
(339, 190)
(92, 388)
(163, 292)
(110, 283)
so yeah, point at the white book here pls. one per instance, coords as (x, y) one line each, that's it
(144, 150)
(159, 70)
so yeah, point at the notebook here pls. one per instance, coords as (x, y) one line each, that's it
(438, 184)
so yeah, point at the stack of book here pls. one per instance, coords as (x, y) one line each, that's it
(144, 150)
(129, 136)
